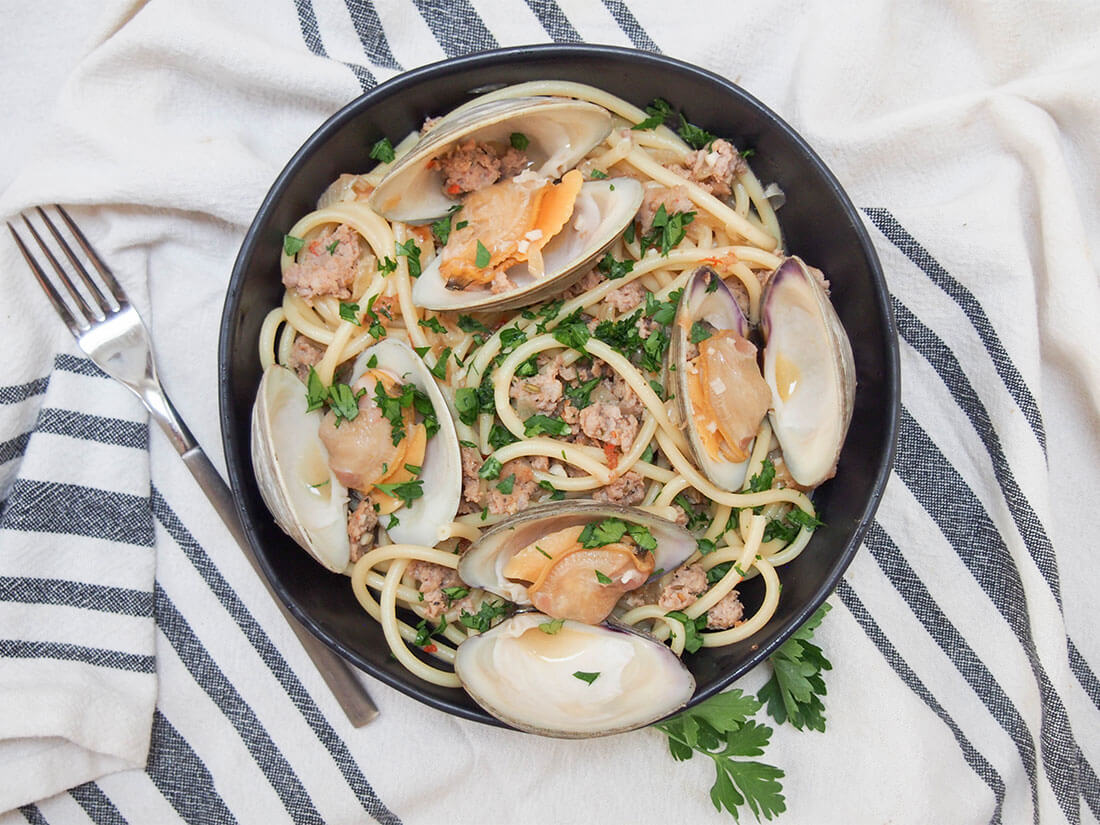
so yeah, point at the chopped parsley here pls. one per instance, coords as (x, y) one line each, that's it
(510, 338)
(747, 153)
(705, 546)
(579, 395)
(548, 312)
(453, 594)
(348, 313)
(442, 228)
(483, 256)
(372, 362)
(602, 579)
(518, 140)
(316, 392)
(434, 325)
(387, 266)
(528, 368)
(764, 479)
(500, 436)
(597, 174)
(539, 424)
(658, 111)
(794, 692)
(413, 468)
(614, 269)
(662, 312)
(700, 331)
(331, 248)
(507, 484)
(425, 631)
(467, 323)
(555, 493)
(377, 329)
(469, 444)
(718, 572)
(482, 620)
(490, 469)
(694, 136)
(612, 530)
(588, 678)
(551, 627)
(572, 332)
(658, 388)
(668, 230)
(693, 639)
(407, 491)
(382, 150)
(466, 404)
(392, 406)
(343, 402)
(543, 552)
(291, 245)
(440, 368)
(411, 251)
(696, 519)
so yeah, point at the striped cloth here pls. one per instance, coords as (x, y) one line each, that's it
(146, 677)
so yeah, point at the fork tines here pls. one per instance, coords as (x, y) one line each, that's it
(80, 315)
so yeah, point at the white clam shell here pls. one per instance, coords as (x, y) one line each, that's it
(603, 210)
(560, 132)
(525, 677)
(292, 472)
(808, 365)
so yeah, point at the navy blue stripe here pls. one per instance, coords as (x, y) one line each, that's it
(947, 366)
(456, 26)
(33, 815)
(80, 366)
(897, 235)
(96, 805)
(311, 34)
(1084, 674)
(115, 431)
(371, 35)
(630, 25)
(274, 661)
(910, 586)
(45, 506)
(205, 671)
(120, 600)
(15, 393)
(973, 757)
(554, 21)
(943, 493)
(97, 656)
(1090, 788)
(14, 448)
(183, 779)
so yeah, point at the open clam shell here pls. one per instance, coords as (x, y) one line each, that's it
(707, 306)
(441, 471)
(575, 682)
(293, 473)
(603, 209)
(809, 367)
(560, 131)
(484, 563)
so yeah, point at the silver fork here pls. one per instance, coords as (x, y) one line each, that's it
(113, 335)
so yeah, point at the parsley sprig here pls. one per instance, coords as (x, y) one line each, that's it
(794, 692)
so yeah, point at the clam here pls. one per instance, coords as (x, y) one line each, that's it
(571, 680)
(306, 461)
(558, 131)
(578, 236)
(575, 559)
(721, 397)
(809, 368)
(292, 471)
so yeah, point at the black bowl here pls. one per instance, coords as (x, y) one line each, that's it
(820, 223)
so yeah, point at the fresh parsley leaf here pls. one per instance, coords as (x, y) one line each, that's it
(490, 469)
(453, 594)
(470, 444)
(551, 627)
(507, 484)
(468, 324)
(407, 491)
(414, 469)
(579, 395)
(425, 631)
(653, 351)
(377, 329)
(628, 234)
(291, 245)
(696, 519)
(440, 368)
(747, 153)
(657, 387)
(718, 572)
(602, 579)
(572, 332)
(589, 678)
(411, 251)
(705, 546)
(658, 112)
(316, 392)
(343, 402)
(386, 266)
(510, 338)
(482, 620)
(528, 368)
(614, 269)
(668, 230)
(555, 493)
(548, 312)
(500, 436)
(793, 694)
(780, 529)
(597, 174)
(331, 248)
(693, 135)
(348, 313)
(692, 628)
(700, 331)
(539, 424)
(483, 256)
(612, 530)
(764, 479)
(712, 284)
(382, 150)
(518, 140)
(442, 228)
(372, 362)
(434, 325)
(466, 404)
(804, 519)
(662, 312)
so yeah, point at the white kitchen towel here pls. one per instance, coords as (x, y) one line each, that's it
(963, 637)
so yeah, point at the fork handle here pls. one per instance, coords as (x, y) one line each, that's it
(345, 687)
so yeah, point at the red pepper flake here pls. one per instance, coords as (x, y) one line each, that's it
(315, 248)
(612, 455)
(429, 648)
(453, 189)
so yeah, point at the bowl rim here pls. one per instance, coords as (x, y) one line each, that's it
(891, 352)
